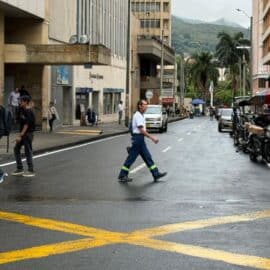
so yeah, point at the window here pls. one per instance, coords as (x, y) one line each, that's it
(107, 103)
(150, 23)
(261, 83)
(110, 102)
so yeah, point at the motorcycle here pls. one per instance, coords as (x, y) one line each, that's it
(259, 144)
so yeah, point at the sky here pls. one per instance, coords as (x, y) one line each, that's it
(211, 10)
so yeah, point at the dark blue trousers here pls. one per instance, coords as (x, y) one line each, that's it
(139, 148)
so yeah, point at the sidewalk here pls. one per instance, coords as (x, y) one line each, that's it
(66, 136)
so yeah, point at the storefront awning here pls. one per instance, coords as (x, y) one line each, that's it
(113, 90)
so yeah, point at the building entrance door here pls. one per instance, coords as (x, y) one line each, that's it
(67, 105)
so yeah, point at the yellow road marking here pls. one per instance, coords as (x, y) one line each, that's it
(60, 226)
(142, 238)
(48, 250)
(199, 224)
(206, 253)
(81, 132)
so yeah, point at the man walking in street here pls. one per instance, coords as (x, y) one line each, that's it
(25, 138)
(120, 109)
(139, 146)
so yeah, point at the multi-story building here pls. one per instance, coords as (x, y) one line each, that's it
(154, 39)
(261, 45)
(36, 52)
(155, 18)
(102, 87)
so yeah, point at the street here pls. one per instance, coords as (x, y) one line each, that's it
(212, 210)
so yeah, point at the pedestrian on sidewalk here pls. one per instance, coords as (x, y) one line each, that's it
(13, 103)
(25, 138)
(52, 115)
(91, 117)
(120, 109)
(139, 146)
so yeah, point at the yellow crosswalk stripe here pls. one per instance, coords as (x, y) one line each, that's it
(143, 238)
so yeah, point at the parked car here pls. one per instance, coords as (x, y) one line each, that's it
(156, 118)
(225, 119)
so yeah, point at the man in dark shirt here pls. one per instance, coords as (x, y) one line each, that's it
(25, 138)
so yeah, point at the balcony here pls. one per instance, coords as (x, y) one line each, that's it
(151, 48)
(47, 54)
(148, 82)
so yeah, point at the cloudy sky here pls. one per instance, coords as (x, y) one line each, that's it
(211, 10)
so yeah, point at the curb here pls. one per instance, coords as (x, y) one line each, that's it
(58, 147)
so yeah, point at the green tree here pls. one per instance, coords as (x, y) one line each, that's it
(203, 70)
(230, 57)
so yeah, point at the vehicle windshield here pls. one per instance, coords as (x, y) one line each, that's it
(153, 110)
(226, 112)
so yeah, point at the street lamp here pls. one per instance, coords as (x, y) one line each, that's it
(244, 67)
(251, 51)
(127, 106)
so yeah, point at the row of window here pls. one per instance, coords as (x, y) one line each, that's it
(145, 7)
(149, 7)
(150, 23)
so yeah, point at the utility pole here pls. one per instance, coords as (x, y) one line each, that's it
(251, 49)
(127, 105)
(182, 80)
(161, 67)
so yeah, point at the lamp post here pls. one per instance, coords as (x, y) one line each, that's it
(127, 106)
(251, 47)
(244, 66)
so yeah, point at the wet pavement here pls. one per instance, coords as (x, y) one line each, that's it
(65, 136)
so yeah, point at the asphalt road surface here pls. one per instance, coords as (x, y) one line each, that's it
(211, 212)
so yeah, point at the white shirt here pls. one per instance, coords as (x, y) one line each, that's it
(137, 121)
(120, 107)
(14, 98)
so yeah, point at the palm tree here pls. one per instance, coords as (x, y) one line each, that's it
(229, 56)
(203, 71)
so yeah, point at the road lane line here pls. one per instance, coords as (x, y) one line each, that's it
(138, 238)
(200, 224)
(51, 249)
(55, 225)
(138, 168)
(180, 140)
(189, 133)
(167, 149)
(206, 253)
(63, 150)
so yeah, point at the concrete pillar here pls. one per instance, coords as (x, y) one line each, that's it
(2, 64)
(45, 92)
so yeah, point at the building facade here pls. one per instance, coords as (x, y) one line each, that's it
(102, 87)
(36, 52)
(260, 45)
(155, 18)
(154, 51)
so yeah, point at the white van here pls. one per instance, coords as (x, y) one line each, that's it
(156, 118)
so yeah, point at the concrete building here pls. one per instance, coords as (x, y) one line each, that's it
(102, 87)
(36, 52)
(154, 39)
(155, 17)
(260, 44)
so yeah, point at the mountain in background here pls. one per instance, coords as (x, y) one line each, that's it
(189, 37)
(224, 22)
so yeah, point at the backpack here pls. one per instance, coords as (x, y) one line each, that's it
(5, 121)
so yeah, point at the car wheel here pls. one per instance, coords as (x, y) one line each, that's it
(219, 128)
